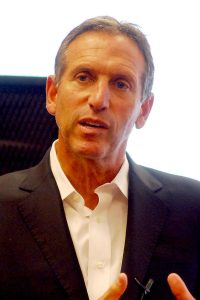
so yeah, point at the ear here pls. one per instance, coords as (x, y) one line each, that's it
(51, 95)
(144, 111)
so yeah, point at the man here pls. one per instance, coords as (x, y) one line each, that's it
(86, 213)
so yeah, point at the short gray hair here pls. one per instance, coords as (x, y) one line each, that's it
(110, 25)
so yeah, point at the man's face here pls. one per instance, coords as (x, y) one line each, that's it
(98, 99)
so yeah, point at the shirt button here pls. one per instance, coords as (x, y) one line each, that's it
(77, 200)
(98, 220)
(100, 265)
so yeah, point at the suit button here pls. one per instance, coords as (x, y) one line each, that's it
(100, 265)
(98, 220)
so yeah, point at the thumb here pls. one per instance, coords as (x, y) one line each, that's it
(117, 288)
(178, 287)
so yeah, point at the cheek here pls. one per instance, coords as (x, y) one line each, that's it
(62, 115)
(63, 104)
(129, 115)
(129, 125)
(67, 115)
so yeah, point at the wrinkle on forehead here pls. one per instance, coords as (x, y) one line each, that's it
(105, 48)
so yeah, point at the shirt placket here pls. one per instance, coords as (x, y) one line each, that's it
(99, 257)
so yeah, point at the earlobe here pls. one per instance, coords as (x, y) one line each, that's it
(51, 95)
(145, 109)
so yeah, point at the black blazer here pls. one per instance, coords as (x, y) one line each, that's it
(37, 257)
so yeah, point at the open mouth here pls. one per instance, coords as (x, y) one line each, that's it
(93, 124)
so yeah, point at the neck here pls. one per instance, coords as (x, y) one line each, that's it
(87, 174)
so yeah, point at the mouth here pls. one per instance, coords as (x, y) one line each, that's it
(93, 123)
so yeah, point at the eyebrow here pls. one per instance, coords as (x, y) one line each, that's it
(81, 68)
(91, 69)
(130, 76)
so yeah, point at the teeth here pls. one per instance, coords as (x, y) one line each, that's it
(92, 124)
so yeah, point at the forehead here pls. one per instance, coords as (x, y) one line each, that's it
(105, 48)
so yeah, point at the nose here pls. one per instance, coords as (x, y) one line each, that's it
(99, 98)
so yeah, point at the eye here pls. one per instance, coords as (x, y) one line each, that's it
(121, 84)
(82, 77)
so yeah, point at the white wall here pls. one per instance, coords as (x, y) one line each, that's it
(31, 32)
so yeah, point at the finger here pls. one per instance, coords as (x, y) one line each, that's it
(117, 289)
(178, 287)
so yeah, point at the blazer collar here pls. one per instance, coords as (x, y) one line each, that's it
(43, 214)
(147, 215)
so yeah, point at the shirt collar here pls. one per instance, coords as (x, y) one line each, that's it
(66, 188)
(64, 185)
(121, 179)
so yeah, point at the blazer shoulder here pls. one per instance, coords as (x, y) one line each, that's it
(17, 184)
(174, 188)
(173, 180)
(180, 190)
(10, 184)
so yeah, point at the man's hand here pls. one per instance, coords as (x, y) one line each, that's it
(178, 287)
(175, 282)
(117, 289)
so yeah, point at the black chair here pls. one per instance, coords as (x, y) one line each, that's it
(26, 129)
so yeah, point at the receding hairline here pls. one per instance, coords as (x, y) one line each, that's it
(114, 27)
(109, 33)
(100, 24)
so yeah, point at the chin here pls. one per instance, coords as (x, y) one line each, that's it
(91, 155)
(91, 152)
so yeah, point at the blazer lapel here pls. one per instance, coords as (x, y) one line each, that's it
(146, 217)
(43, 214)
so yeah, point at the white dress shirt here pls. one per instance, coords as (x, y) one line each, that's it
(98, 235)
